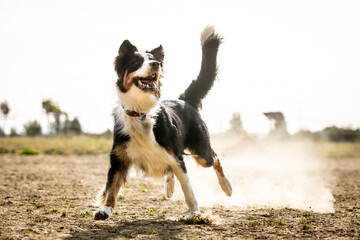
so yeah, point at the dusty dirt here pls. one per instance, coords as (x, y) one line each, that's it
(50, 197)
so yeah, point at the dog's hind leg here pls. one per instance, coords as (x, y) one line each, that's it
(206, 157)
(224, 182)
(214, 161)
(169, 185)
(116, 178)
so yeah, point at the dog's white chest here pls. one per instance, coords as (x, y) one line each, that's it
(145, 152)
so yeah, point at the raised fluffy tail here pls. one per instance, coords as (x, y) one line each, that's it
(198, 89)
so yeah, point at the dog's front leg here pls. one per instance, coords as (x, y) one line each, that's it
(190, 199)
(116, 178)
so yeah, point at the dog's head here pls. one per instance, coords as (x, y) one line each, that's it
(138, 72)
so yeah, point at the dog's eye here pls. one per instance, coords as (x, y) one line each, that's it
(137, 61)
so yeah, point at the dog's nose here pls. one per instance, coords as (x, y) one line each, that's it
(155, 64)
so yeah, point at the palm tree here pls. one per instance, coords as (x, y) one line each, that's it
(5, 111)
(52, 108)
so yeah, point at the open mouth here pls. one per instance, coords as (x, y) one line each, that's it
(147, 83)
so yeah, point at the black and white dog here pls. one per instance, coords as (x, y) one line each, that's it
(153, 135)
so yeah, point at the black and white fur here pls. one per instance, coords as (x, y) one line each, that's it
(152, 135)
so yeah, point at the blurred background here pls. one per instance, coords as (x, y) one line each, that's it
(298, 62)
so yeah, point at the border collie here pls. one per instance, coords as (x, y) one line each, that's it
(152, 135)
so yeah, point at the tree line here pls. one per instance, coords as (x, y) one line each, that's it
(332, 133)
(58, 121)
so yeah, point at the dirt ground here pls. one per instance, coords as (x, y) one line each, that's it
(50, 197)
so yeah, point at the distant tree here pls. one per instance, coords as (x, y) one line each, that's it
(66, 124)
(32, 129)
(75, 126)
(4, 106)
(13, 132)
(2, 133)
(333, 134)
(336, 134)
(53, 109)
(236, 124)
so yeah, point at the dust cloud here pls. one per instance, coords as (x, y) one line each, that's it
(264, 175)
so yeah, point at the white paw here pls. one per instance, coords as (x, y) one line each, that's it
(169, 187)
(103, 213)
(225, 185)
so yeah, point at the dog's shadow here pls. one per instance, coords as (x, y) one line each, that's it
(163, 229)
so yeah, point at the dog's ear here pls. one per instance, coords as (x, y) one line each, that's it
(126, 47)
(158, 53)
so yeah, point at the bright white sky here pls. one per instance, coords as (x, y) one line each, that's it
(298, 57)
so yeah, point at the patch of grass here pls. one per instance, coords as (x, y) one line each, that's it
(153, 231)
(342, 198)
(53, 210)
(304, 224)
(86, 214)
(71, 205)
(152, 211)
(3, 235)
(279, 222)
(121, 197)
(38, 204)
(39, 220)
(127, 235)
(143, 188)
(63, 214)
(254, 223)
(2, 202)
(27, 231)
(29, 209)
(3, 150)
(59, 145)
(28, 151)
(337, 149)
(306, 214)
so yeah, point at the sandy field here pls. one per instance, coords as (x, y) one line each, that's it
(51, 197)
